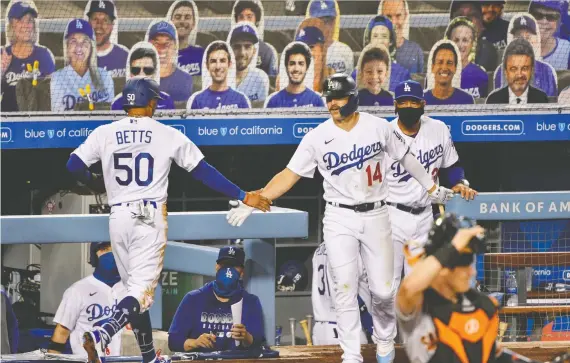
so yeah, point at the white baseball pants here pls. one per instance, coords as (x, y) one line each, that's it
(347, 234)
(138, 246)
(408, 227)
(325, 333)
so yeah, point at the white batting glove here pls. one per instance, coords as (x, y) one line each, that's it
(238, 213)
(441, 195)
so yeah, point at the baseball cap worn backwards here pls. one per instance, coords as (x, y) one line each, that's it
(21, 8)
(321, 9)
(162, 27)
(79, 26)
(310, 35)
(103, 6)
(244, 32)
(233, 254)
(409, 89)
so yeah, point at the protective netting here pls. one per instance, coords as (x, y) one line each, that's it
(461, 52)
(528, 270)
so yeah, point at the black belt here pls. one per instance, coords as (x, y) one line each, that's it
(405, 208)
(364, 207)
(144, 201)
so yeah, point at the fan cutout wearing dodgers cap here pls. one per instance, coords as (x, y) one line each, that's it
(244, 32)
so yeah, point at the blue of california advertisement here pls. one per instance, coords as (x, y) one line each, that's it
(282, 131)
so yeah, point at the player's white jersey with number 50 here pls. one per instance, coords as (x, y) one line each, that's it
(136, 154)
(434, 149)
(351, 162)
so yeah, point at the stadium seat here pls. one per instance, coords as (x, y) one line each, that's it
(30, 98)
(119, 83)
(563, 80)
(100, 106)
(180, 105)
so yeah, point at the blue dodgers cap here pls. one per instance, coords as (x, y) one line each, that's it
(21, 8)
(244, 32)
(310, 35)
(380, 20)
(322, 8)
(102, 6)
(524, 22)
(233, 254)
(557, 5)
(162, 27)
(79, 26)
(409, 89)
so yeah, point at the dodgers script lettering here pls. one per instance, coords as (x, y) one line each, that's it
(356, 157)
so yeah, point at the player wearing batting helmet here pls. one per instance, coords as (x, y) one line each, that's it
(88, 302)
(350, 150)
(436, 299)
(137, 153)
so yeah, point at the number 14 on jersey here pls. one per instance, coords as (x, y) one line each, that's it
(374, 173)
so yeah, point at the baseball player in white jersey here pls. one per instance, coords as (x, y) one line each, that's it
(88, 302)
(349, 149)
(325, 331)
(136, 154)
(409, 204)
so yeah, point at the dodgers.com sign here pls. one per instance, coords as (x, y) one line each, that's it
(282, 131)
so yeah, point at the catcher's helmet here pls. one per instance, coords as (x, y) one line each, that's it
(443, 231)
(93, 248)
(341, 85)
(139, 91)
(292, 276)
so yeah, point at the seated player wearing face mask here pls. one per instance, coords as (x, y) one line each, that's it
(193, 328)
(88, 303)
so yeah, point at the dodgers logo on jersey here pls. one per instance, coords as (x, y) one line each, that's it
(473, 91)
(339, 66)
(12, 77)
(218, 318)
(190, 68)
(427, 159)
(71, 100)
(356, 157)
(96, 311)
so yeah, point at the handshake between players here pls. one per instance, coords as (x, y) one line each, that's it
(353, 151)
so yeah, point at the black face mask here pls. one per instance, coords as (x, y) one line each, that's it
(409, 116)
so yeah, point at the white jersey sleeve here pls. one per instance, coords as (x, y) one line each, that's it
(90, 151)
(69, 309)
(186, 154)
(450, 156)
(304, 160)
(394, 142)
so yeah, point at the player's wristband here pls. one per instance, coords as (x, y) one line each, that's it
(447, 256)
(59, 347)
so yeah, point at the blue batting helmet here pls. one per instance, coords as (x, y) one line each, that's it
(292, 276)
(139, 91)
(93, 248)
